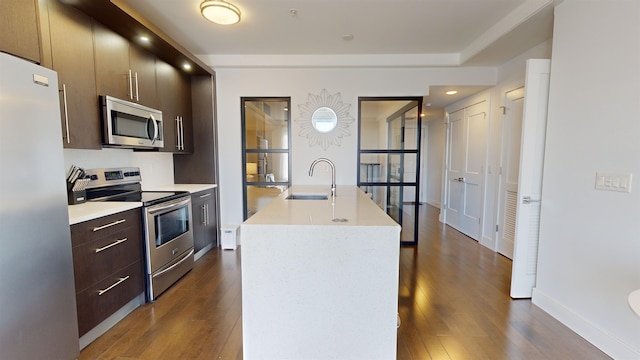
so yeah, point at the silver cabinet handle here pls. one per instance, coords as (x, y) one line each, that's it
(206, 219)
(66, 111)
(181, 133)
(205, 195)
(178, 132)
(109, 225)
(120, 281)
(204, 215)
(110, 245)
(137, 93)
(160, 273)
(130, 78)
(528, 200)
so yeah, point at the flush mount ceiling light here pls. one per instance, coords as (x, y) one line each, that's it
(220, 12)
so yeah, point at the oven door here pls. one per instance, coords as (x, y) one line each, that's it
(169, 232)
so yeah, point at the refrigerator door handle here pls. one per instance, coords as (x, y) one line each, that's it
(66, 112)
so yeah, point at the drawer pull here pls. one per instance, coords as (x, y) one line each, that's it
(205, 195)
(109, 225)
(120, 281)
(112, 244)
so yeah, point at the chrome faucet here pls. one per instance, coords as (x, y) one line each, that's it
(333, 173)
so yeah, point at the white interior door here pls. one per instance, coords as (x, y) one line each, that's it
(465, 176)
(534, 124)
(509, 169)
(455, 189)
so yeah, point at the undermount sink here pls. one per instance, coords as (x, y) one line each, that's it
(307, 197)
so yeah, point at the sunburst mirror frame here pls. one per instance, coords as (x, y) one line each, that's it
(316, 119)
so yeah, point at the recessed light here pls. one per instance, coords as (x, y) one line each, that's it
(144, 39)
(451, 92)
(186, 66)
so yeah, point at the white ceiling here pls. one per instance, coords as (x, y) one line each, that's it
(385, 33)
(392, 33)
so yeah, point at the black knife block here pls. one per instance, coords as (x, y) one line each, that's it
(76, 197)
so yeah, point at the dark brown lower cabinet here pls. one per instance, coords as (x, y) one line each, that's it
(205, 229)
(108, 265)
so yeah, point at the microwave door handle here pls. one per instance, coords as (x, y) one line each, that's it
(155, 129)
(152, 120)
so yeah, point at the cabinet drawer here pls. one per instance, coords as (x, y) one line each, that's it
(98, 302)
(104, 226)
(97, 259)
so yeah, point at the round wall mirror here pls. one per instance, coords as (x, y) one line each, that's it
(324, 119)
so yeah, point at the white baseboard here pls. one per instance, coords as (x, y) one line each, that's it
(583, 327)
(488, 243)
(434, 203)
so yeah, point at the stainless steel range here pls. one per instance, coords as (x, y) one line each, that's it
(167, 223)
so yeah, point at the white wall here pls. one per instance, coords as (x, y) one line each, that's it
(156, 168)
(589, 255)
(232, 84)
(435, 160)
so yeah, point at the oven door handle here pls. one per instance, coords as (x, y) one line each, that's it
(160, 273)
(160, 208)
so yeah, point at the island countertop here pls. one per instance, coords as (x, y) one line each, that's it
(350, 203)
(314, 288)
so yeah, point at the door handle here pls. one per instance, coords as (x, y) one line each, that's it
(528, 200)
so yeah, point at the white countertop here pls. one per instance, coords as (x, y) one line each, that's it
(93, 210)
(350, 203)
(192, 188)
(326, 280)
(634, 301)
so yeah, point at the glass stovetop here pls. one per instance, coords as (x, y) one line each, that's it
(148, 197)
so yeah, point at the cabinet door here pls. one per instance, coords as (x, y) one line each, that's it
(211, 228)
(199, 222)
(167, 80)
(112, 63)
(143, 68)
(184, 109)
(72, 57)
(174, 95)
(205, 219)
(19, 29)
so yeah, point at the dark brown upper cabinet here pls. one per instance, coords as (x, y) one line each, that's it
(174, 94)
(19, 31)
(123, 70)
(72, 57)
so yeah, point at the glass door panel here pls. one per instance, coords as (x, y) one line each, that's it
(389, 153)
(266, 150)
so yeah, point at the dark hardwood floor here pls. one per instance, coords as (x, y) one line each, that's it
(454, 304)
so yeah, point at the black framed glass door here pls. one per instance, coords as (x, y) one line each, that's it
(266, 144)
(389, 158)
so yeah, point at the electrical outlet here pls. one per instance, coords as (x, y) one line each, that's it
(613, 182)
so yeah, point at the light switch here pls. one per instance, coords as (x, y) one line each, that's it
(613, 182)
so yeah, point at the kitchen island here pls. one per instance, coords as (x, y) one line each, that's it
(320, 278)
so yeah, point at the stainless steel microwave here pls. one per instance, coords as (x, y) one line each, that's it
(130, 125)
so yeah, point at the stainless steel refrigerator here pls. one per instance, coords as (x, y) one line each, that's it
(37, 292)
